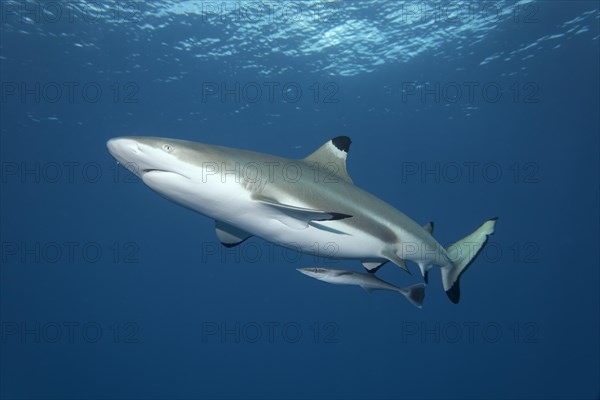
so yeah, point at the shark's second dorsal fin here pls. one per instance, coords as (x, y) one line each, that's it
(429, 227)
(331, 158)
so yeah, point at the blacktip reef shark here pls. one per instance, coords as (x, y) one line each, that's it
(368, 281)
(299, 204)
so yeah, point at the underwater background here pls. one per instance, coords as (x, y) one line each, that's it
(458, 112)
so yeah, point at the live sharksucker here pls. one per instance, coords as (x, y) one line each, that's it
(368, 281)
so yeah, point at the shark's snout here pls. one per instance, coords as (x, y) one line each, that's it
(145, 156)
(130, 153)
(122, 147)
(113, 144)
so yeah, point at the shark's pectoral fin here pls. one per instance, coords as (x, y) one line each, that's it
(327, 228)
(229, 235)
(298, 217)
(373, 266)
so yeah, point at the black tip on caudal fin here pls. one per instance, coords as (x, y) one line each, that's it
(415, 294)
(454, 292)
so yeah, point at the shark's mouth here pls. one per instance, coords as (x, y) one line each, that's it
(153, 171)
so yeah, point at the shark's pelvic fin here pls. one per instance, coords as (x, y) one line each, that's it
(393, 257)
(228, 235)
(298, 217)
(330, 158)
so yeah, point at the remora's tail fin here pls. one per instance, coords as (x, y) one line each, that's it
(462, 254)
(415, 294)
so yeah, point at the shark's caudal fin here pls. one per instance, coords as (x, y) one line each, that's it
(462, 254)
(415, 294)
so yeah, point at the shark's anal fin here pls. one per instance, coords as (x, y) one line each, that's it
(298, 217)
(330, 159)
(229, 235)
(424, 268)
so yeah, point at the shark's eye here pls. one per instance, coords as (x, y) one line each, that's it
(167, 147)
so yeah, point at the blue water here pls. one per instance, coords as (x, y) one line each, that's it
(458, 112)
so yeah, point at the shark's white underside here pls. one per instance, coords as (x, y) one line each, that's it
(233, 204)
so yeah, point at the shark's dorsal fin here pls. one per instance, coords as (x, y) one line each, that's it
(330, 159)
(229, 235)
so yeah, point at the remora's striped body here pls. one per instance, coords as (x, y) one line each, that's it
(310, 205)
(415, 293)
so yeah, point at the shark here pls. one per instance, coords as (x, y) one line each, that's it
(369, 282)
(310, 205)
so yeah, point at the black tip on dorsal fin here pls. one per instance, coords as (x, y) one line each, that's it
(342, 143)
